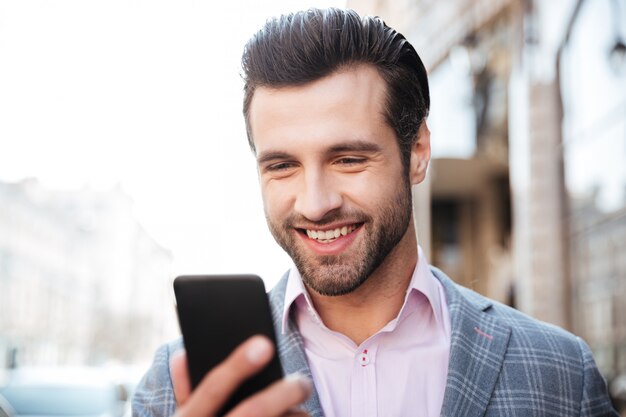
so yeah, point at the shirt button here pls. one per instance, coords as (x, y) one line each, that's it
(363, 359)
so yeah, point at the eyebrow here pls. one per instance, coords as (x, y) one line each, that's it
(355, 146)
(272, 156)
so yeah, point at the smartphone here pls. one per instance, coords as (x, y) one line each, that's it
(216, 314)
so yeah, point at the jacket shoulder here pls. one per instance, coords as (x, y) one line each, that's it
(529, 332)
(526, 331)
(543, 367)
(154, 396)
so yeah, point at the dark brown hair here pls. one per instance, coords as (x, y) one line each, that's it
(305, 46)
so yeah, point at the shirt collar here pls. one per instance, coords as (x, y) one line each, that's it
(425, 282)
(295, 288)
(422, 281)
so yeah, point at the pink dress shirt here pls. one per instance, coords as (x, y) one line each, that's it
(401, 370)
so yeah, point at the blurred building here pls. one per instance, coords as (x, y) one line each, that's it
(598, 281)
(81, 282)
(526, 200)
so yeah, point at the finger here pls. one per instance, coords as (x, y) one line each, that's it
(215, 389)
(180, 377)
(297, 413)
(278, 399)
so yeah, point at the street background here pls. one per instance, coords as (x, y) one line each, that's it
(124, 162)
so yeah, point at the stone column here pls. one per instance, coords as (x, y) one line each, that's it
(544, 291)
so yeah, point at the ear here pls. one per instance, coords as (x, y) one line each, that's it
(420, 154)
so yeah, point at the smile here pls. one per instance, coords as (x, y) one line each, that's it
(327, 236)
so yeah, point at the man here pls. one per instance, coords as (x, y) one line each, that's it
(335, 108)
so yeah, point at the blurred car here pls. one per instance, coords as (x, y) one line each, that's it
(63, 392)
(5, 408)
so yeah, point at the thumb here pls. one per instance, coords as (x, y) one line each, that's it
(180, 377)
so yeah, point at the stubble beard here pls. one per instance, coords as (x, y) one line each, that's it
(334, 275)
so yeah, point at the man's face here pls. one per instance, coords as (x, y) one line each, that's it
(336, 197)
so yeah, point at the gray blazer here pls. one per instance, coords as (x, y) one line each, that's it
(502, 363)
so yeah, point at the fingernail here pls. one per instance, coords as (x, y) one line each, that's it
(304, 382)
(258, 350)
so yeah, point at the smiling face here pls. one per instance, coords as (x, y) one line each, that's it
(337, 198)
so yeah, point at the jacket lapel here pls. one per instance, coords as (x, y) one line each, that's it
(478, 346)
(291, 346)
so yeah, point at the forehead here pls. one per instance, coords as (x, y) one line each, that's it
(346, 104)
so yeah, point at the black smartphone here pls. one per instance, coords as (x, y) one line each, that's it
(216, 314)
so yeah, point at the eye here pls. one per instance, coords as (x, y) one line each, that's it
(350, 160)
(280, 166)
(281, 169)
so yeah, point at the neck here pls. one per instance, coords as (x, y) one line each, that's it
(363, 312)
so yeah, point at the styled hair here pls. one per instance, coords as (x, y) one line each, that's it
(305, 46)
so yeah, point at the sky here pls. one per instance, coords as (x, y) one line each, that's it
(595, 106)
(147, 95)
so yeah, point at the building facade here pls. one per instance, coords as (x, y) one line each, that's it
(81, 282)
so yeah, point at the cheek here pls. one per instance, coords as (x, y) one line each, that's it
(275, 200)
(375, 186)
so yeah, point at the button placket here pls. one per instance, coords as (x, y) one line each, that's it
(364, 395)
(363, 358)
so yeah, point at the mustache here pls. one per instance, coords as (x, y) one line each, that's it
(296, 220)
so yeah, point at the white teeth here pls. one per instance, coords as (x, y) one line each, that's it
(329, 235)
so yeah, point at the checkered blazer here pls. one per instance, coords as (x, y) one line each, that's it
(502, 363)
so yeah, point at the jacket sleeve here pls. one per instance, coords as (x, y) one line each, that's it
(595, 397)
(154, 396)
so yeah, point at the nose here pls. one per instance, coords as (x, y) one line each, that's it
(317, 196)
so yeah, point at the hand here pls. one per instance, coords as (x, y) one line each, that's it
(279, 399)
